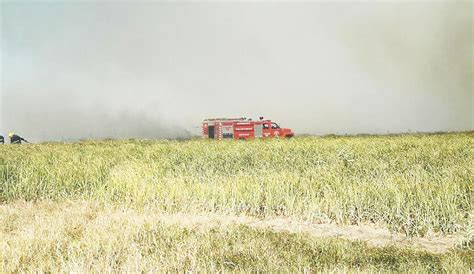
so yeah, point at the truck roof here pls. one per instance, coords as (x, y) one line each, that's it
(226, 119)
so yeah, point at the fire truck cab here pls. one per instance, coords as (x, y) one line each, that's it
(242, 128)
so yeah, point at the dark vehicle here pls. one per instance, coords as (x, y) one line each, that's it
(16, 139)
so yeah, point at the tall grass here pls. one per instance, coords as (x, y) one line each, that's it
(412, 183)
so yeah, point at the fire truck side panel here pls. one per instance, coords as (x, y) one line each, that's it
(218, 131)
(205, 130)
(258, 129)
(244, 130)
(227, 131)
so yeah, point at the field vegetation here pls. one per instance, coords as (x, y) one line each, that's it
(96, 205)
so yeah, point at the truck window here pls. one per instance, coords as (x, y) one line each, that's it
(265, 126)
(275, 126)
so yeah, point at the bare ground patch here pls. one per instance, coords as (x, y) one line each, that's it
(373, 235)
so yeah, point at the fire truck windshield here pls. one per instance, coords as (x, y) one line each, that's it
(275, 126)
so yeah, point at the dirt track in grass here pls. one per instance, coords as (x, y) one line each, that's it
(373, 235)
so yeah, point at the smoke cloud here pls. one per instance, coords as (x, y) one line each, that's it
(77, 70)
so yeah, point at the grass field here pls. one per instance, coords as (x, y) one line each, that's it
(106, 205)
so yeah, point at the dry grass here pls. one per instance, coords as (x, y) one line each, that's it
(416, 185)
(81, 236)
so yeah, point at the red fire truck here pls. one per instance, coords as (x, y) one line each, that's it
(242, 128)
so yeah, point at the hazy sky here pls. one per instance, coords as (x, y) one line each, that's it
(154, 70)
